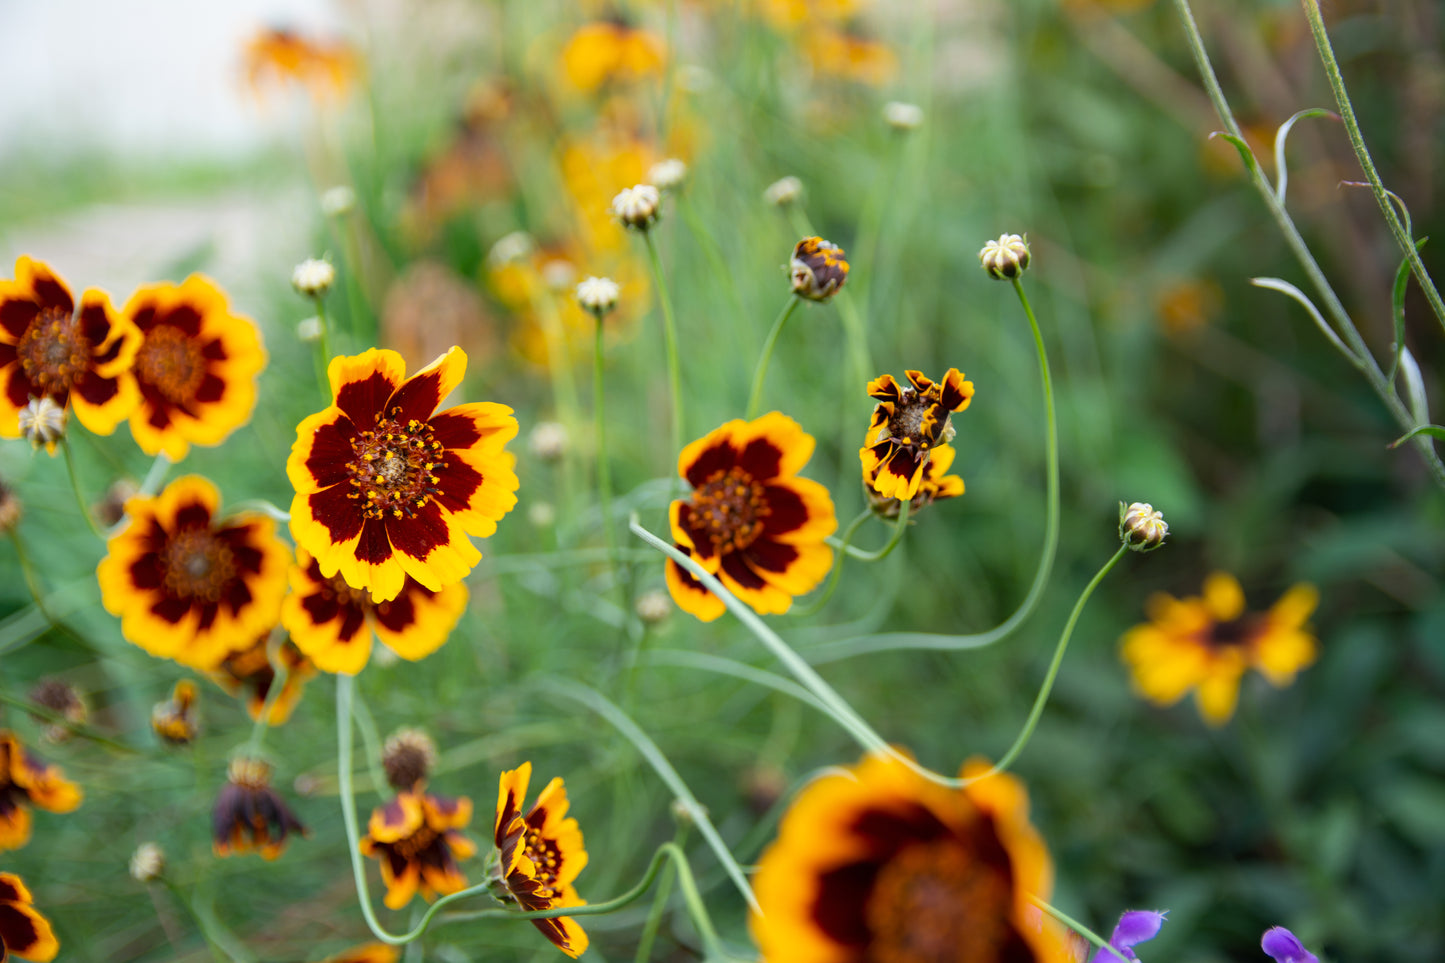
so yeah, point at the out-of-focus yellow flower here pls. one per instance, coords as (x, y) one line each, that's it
(851, 56)
(1186, 304)
(277, 56)
(610, 52)
(787, 14)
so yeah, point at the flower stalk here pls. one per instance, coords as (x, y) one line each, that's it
(760, 373)
(669, 330)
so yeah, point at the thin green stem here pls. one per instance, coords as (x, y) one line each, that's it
(844, 546)
(372, 738)
(279, 675)
(157, 474)
(1079, 928)
(659, 904)
(604, 471)
(727, 278)
(857, 334)
(28, 571)
(760, 373)
(1043, 697)
(669, 330)
(899, 525)
(323, 344)
(1367, 163)
(79, 495)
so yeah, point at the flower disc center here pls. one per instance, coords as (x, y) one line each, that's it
(393, 469)
(911, 424)
(937, 902)
(171, 362)
(53, 352)
(198, 565)
(729, 507)
(547, 859)
(418, 842)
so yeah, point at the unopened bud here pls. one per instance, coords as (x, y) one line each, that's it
(542, 514)
(637, 207)
(558, 273)
(1141, 528)
(784, 191)
(1006, 258)
(408, 756)
(512, 247)
(667, 175)
(308, 330)
(598, 295)
(338, 201)
(818, 269)
(653, 607)
(42, 422)
(313, 277)
(683, 815)
(147, 862)
(902, 117)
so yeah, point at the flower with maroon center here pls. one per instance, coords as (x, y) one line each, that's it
(539, 856)
(50, 348)
(188, 585)
(909, 422)
(1206, 643)
(249, 675)
(937, 484)
(386, 486)
(751, 521)
(27, 781)
(196, 367)
(23, 931)
(249, 814)
(818, 269)
(877, 864)
(416, 837)
(334, 623)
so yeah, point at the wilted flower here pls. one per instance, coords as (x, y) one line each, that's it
(313, 277)
(637, 207)
(1006, 258)
(1134, 927)
(407, 757)
(598, 295)
(667, 175)
(1141, 527)
(783, 191)
(901, 116)
(147, 862)
(909, 423)
(936, 484)
(548, 440)
(1285, 947)
(42, 422)
(26, 781)
(818, 269)
(249, 814)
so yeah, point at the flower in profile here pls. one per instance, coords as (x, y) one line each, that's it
(936, 484)
(26, 781)
(188, 585)
(249, 675)
(1206, 643)
(1284, 947)
(388, 487)
(751, 521)
(1133, 928)
(1142, 527)
(784, 191)
(366, 953)
(539, 856)
(818, 269)
(638, 207)
(174, 720)
(62, 699)
(611, 51)
(877, 863)
(1006, 258)
(196, 367)
(249, 814)
(910, 422)
(416, 837)
(334, 624)
(278, 56)
(23, 930)
(53, 350)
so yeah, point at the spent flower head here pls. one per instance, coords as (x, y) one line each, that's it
(667, 175)
(637, 207)
(598, 295)
(313, 277)
(901, 116)
(1006, 258)
(408, 757)
(784, 191)
(1141, 527)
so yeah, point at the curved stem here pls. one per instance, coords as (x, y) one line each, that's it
(755, 396)
(844, 546)
(278, 682)
(79, 495)
(1367, 163)
(604, 472)
(1043, 697)
(28, 571)
(1079, 928)
(659, 906)
(669, 330)
(904, 505)
(323, 344)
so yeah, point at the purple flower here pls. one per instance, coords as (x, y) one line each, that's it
(1285, 947)
(1135, 926)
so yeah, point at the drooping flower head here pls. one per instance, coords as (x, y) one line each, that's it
(189, 585)
(1206, 643)
(249, 814)
(936, 485)
(51, 348)
(539, 856)
(27, 781)
(1134, 927)
(1284, 947)
(876, 863)
(909, 422)
(417, 838)
(751, 521)
(196, 367)
(249, 675)
(23, 931)
(387, 486)
(174, 720)
(818, 269)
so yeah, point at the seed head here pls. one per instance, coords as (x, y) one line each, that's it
(548, 440)
(818, 269)
(1141, 527)
(667, 175)
(598, 295)
(1006, 258)
(637, 207)
(42, 422)
(784, 191)
(147, 862)
(313, 277)
(408, 756)
(902, 117)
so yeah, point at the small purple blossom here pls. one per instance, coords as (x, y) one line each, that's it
(1135, 926)
(1285, 947)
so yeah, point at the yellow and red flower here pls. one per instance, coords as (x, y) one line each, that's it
(366, 953)
(50, 348)
(188, 585)
(818, 268)
(27, 781)
(611, 51)
(277, 55)
(877, 863)
(249, 814)
(23, 931)
(540, 855)
(1206, 643)
(909, 422)
(248, 674)
(388, 487)
(334, 624)
(751, 521)
(936, 484)
(416, 837)
(175, 719)
(196, 366)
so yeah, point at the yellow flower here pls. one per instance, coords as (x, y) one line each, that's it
(611, 52)
(416, 836)
(540, 855)
(909, 423)
(277, 55)
(23, 931)
(27, 781)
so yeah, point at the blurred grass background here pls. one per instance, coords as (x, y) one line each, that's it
(1081, 123)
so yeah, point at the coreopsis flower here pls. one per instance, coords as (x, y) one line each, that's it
(249, 814)
(877, 863)
(187, 584)
(416, 837)
(638, 207)
(249, 675)
(1284, 947)
(849, 55)
(24, 931)
(1006, 258)
(936, 484)
(1141, 527)
(611, 51)
(1134, 927)
(324, 68)
(367, 953)
(334, 624)
(52, 349)
(389, 487)
(751, 521)
(174, 720)
(407, 757)
(1207, 643)
(196, 367)
(909, 423)
(25, 781)
(818, 269)
(539, 856)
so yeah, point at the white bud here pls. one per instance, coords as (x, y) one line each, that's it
(654, 606)
(511, 247)
(147, 862)
(338, 201)
(541, 514)
(598, 295)
(901, 116)
(667, 175)
(548, 440)
(784, 191)
(637, 207)
(313, 277)
(308, 330)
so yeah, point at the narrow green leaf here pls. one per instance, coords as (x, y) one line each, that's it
(1434, 431)
(1402, 281)
(1280, 136)
(1245, 154)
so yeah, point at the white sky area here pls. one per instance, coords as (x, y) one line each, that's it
(138, 77)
